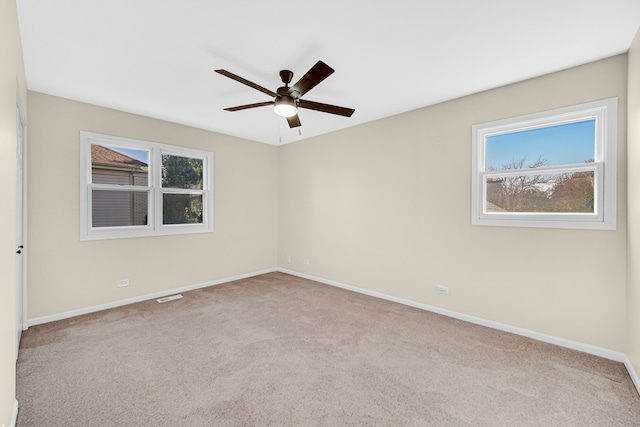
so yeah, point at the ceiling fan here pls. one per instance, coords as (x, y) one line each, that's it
(287, 99)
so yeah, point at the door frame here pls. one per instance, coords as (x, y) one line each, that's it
(19, 226)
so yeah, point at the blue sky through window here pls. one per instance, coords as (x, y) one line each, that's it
(563, 144)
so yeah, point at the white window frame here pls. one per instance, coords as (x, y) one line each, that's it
(604, 167)
(154, 226)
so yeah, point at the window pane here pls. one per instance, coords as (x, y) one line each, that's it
(119, 208)
(116, 165)
(182, 172)
(551, 193)
(570, 143)
(182, 208)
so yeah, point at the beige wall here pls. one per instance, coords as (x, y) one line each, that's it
(12, 86)
(68, 274)
(633, 178)
(385, 206)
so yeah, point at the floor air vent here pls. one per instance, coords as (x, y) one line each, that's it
(171, 298)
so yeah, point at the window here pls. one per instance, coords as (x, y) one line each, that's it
(555, 169)
(131, 188)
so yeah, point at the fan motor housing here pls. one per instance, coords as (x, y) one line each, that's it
(286, 76)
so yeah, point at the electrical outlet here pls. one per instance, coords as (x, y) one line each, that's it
(442, 289)
(122, 283)
(288, 258)
(307, 262)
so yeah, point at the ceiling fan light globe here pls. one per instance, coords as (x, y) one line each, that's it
(285, 107)
(285, 110)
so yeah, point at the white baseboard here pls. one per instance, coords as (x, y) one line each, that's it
(632, 373)
(14, 418)
(585, 348)
(119, 303)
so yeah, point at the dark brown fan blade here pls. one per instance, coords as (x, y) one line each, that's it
(244, 107)
(246, 82)
(315, 75)
(294, 121)
(326, 108)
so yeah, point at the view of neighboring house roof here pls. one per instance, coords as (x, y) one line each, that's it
(102, 156)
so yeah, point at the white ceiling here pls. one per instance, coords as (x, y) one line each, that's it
(156, 57)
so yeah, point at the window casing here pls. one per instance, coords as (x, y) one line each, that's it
(568, 182)
(133, 188)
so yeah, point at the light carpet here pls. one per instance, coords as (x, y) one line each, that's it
(278, 350)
